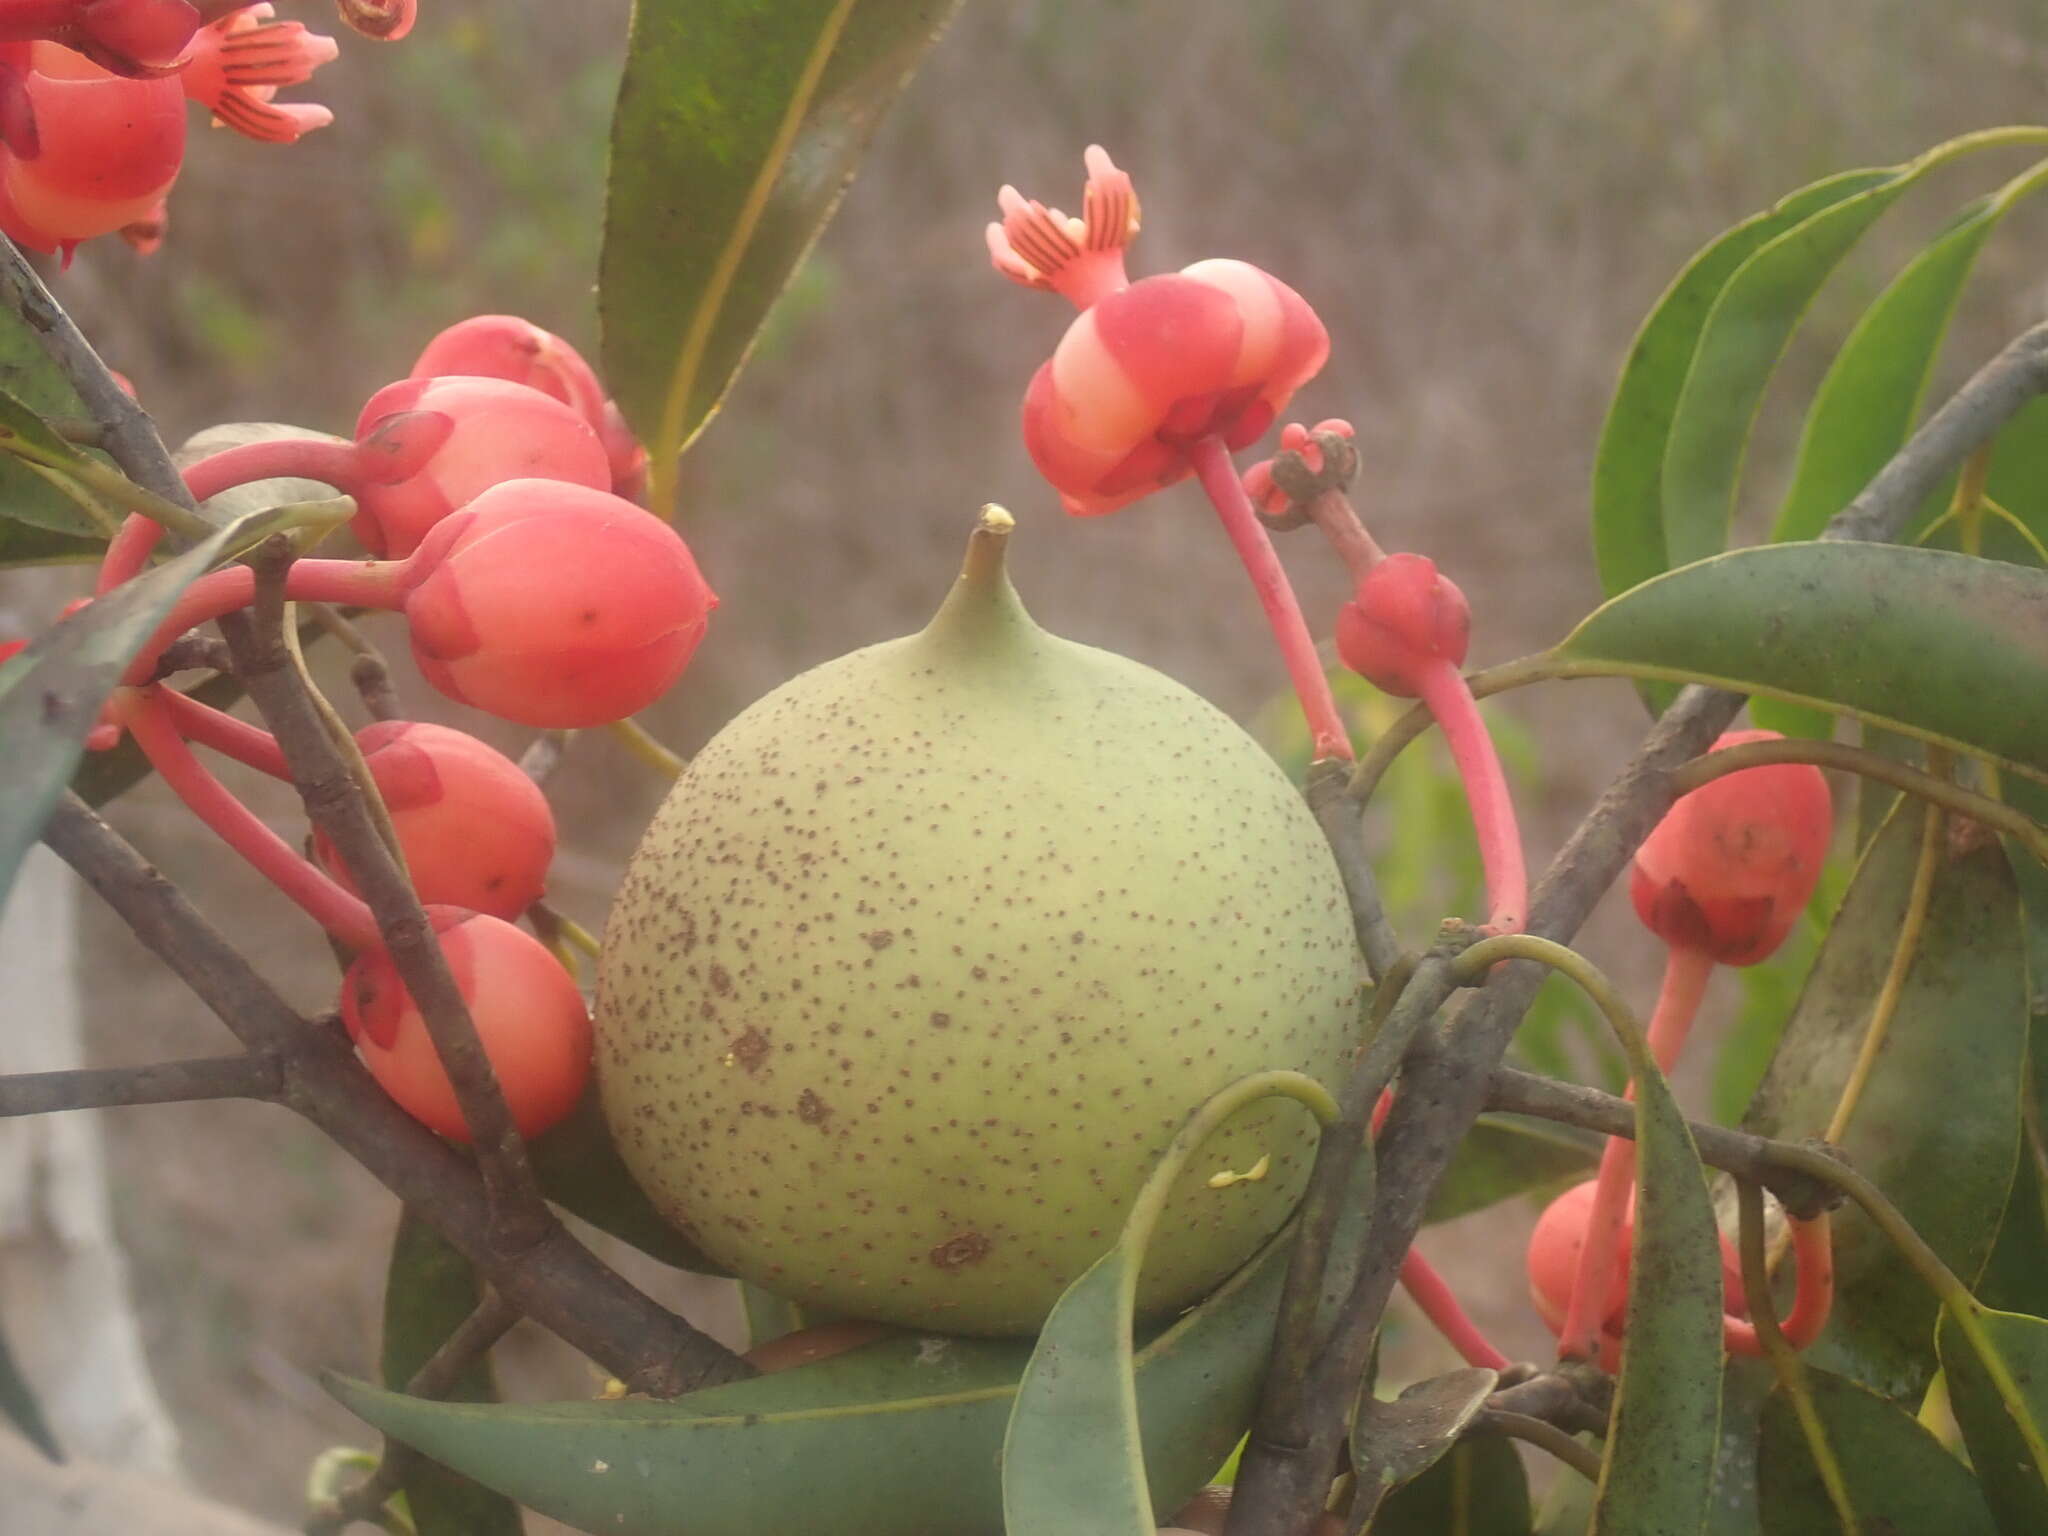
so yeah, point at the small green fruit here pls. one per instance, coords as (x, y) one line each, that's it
(933, 949)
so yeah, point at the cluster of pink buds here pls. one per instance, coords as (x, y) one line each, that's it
(92, 107)
(528, 589)
(1721, 880)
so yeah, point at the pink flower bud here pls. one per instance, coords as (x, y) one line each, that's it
(554, 605)
(476, 832)
(527, 1011)
(238, 64)
(107, 151)
(493, 431)
(1733, 864)
(1405, 617)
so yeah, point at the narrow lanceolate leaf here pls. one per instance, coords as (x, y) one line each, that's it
(1658, 1474)
(1507, 1155)
(1394, 1442)
(1866, 406)
(18, 1406)
(24, 543)
(738, 126)
(899, 1438)
(1628, 468)
(28, 375)
(1940, 646)
(429, 1289)
(1900, 1478)
(1745, 1383)
(1998, 1387)
(50, 694)
(1479, 1489)
(1745, 335)
(1937, 1124)
(1074, 1450)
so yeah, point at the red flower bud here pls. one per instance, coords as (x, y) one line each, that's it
(1405, 617)
(492, 431)
(527, 1012)
(476, 832)
(1733, 864)
(554, 605)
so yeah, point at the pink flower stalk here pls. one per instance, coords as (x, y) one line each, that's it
(1406, 631)
(86, 152)
(1161, 378)
(507, 347)
(238, 64)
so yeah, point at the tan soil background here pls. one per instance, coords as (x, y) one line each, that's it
(1481, 200)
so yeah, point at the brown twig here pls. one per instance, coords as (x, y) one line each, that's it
(558, 1283)
(539, 761)
(1283, 1478)
(166, 1082)
(1344, 830)
(469, 1343)
(369, 672)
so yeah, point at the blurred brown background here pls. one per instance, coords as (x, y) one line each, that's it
(1481, 200)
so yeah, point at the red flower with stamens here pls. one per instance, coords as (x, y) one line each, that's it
(238, 64)
(1152, 367)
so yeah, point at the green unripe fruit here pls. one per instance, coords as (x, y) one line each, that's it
(933, 949)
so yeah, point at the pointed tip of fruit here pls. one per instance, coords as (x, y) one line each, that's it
(996, 520)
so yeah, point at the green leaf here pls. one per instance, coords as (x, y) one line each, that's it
(1073, 1454)
(19, 1406)
(580, 1170)
(1934, 644)
(1866, 406)
(429, 1289)
(257, 495)
(1745, 1383)
(1628, 467)
(1937, 1124)
(1998, 1387)
(769, 1317)
(50, 694)
(1479, 1489)
(31, 380)
(1507, 1155)
(1899, 1477)
(738, 126)
(1395, 1442)
(899, 1438)
(1747, 332)
(1659, 1471)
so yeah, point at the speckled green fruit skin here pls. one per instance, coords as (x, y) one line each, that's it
(932, 950)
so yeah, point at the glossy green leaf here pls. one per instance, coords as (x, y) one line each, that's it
(1479, 1489)
(1628, 467)
(1507, 1155)
(1866, 406)
(29, 377)
(1937, 1124)
(1747, 332)
(1396, 1441)
(50, 694)
(580, 1170)
(1659, 1470)
(1998, 1388)
(429, 1289)
(739, 124)
(1745, 1383)
(1899, 1477)
(1937, 645)
(18, 1406)
(900, 1438)
(1074, 1450)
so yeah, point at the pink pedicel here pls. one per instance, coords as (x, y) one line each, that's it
(554, 605)
(238, 64)
(1405, 620)
(507, 347)
(527, 1011)
(87, 152)
(476, 832)
(496, 431)
(1732, 865)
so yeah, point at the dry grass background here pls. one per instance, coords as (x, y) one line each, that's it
(1481, 200)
